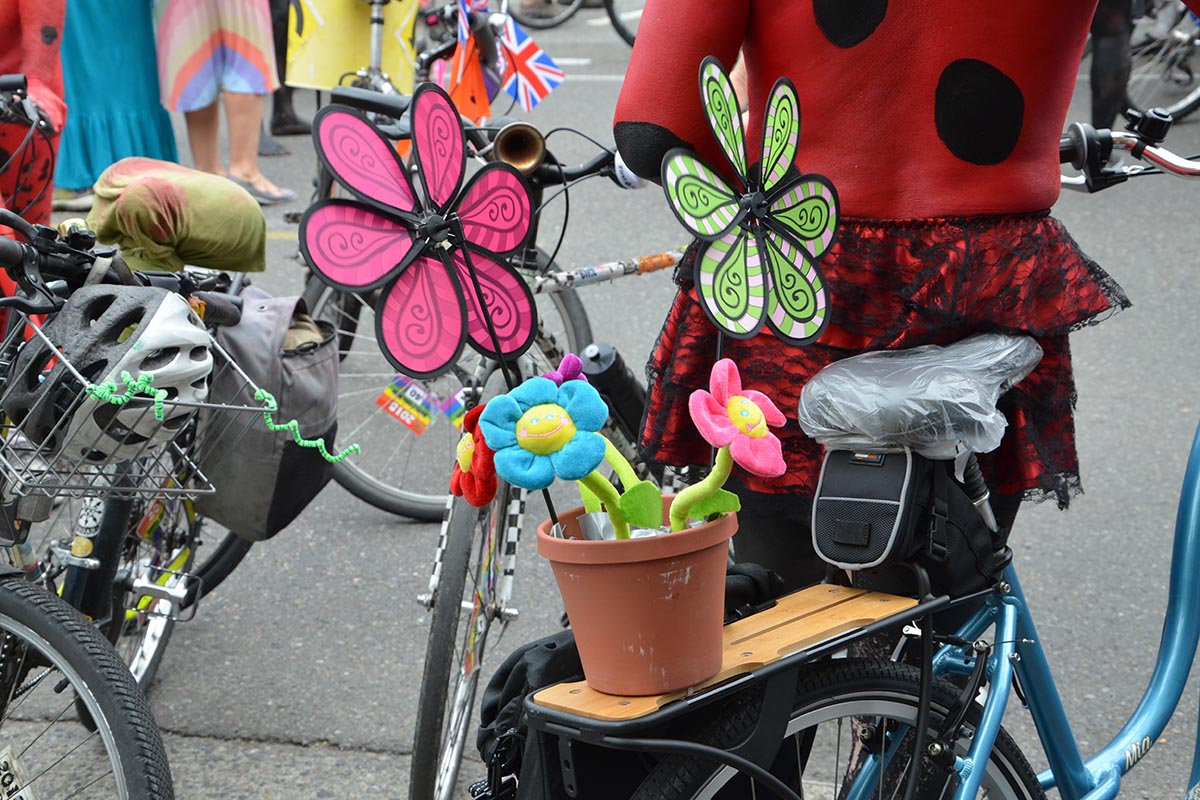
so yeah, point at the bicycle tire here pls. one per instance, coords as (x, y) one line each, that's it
(450, 678)
(518, 11)
(1165, 69)
(843, 690)
(54, 638)
(625, 16)
(399, 479)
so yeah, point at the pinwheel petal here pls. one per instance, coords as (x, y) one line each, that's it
(781, 133)
(438, 144)
(797, 301)
(419, 320)
(721, 111)
(508, 301)
(361, 158)
(495, 209)
(352, 246)
(807, 210)
(701, 199)
(731, 284)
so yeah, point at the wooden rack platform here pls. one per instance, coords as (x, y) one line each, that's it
(798, 621)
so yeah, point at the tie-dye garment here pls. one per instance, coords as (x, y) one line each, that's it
(209, 46)
(164, 216)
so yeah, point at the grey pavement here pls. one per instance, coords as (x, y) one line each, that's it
(299, 677)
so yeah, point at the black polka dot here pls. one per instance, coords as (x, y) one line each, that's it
(848, 22)
(49, 34)
(978, 111)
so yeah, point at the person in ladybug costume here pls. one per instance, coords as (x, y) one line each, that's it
(938, 122)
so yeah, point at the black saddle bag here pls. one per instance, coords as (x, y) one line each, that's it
(876, 511)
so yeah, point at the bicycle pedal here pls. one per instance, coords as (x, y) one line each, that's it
(175, 593)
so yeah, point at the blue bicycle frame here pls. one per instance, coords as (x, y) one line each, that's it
(1018, 649)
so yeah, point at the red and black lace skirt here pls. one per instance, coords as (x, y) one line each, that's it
(898, 284)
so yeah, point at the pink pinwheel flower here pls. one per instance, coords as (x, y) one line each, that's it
(435, 257)
(730, 416)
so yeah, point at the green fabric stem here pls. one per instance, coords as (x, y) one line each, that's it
(599, 486)
(620, 465)
(293, 427)
(705, 488)
(107, 392)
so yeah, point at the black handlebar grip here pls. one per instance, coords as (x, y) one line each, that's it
(220, 308)
(973, 480)
(13, 83)
(12, 254)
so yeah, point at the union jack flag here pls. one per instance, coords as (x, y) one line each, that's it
(529, 74)
(465, 7)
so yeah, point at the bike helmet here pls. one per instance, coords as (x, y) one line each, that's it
(104, 331)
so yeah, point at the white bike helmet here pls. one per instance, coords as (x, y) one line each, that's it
(105, 331)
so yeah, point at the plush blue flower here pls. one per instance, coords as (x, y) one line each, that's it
(540, 430)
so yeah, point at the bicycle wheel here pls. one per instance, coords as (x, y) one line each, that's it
(464, 610)
(406, 427)
(543, 14)
(1164, 66)
(840, 707)
(112, 748)
(625, 16)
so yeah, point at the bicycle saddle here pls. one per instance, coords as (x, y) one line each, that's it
(929, 398)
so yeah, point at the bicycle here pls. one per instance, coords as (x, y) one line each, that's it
(401, 440)
(801, 694)
(125, 546)
(625, 16)
(1164, 42)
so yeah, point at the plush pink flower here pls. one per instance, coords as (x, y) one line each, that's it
(738, 418)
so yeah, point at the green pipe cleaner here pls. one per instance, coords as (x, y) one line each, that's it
(265, 397)
(107, 392)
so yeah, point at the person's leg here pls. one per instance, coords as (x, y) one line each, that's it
(775, 531)
(203, 126)
(243, 114)
(1111, 29)
(284, 121)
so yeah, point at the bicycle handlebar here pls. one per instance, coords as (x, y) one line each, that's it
(1088, 149)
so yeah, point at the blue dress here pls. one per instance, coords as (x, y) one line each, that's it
(110, 78)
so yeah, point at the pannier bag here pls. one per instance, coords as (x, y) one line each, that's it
(875, 510)
(264, 479)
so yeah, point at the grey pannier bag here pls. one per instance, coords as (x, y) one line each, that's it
(263, 479)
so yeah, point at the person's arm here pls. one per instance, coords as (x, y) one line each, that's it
(41, 36)
(659, 107)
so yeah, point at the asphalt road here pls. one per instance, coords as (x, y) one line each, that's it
(299, 678)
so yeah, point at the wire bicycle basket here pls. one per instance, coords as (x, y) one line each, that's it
(132, 440)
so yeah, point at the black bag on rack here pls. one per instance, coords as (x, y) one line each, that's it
(263, 479)
(874, 511)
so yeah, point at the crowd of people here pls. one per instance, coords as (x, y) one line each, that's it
(102, 102)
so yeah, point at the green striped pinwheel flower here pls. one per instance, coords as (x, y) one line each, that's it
(764, 236)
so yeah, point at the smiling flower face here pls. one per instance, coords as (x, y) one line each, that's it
(541, 430)
(474, 475)
(729, 415)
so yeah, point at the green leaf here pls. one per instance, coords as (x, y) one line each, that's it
(720, 502)
(642, 505)
(591, 503)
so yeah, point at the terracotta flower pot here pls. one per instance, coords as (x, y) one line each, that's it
(647, 613)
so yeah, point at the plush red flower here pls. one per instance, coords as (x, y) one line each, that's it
(474, 475)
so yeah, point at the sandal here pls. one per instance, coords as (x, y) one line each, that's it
(264, 197)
